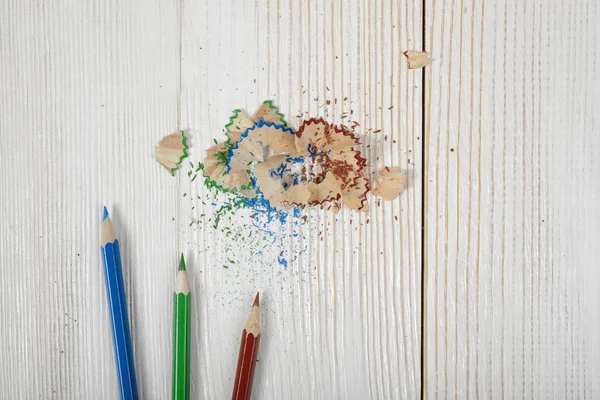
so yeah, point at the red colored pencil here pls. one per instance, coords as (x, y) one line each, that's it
(248, 352)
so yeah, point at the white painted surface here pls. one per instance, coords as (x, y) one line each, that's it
(510, 263)
(512, 214)
(87, 89)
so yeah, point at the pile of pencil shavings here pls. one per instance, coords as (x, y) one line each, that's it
(317, 165)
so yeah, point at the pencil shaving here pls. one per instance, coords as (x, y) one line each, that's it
(217, 175)
(171, 151)
(258, 142)
(234, 175)
(323, 167)
(316, 133)
(391, 183)
(318, 164)
(417, 59)
(238, 123)
(273, 187)
(269, 113)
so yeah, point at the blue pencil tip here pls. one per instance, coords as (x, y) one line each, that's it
(104, 214)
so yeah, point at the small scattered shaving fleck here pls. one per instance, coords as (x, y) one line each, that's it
(171, 151)
(417, 59)
(391, 183)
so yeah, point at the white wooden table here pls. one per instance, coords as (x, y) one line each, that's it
(486, 285)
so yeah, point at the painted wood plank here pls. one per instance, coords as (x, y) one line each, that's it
(86, 90)
(342, 320)
(511, 200)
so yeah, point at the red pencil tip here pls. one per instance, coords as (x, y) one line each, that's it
(256, 300)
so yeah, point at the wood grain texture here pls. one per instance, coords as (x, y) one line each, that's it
(342, 320)
(87, 89)
(511, 195)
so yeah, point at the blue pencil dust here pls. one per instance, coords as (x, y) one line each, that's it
(282, 261)
(295, 170)
(261, 207)
(254, 229)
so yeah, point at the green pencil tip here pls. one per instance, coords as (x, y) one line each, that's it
(182, 263)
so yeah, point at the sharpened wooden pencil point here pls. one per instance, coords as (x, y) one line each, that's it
(115, 290)
(108, 233)
(244, 376)
(253, 323)
(181, 335)
(182, 263)
(182, 284)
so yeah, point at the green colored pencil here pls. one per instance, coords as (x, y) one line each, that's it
(181, 335)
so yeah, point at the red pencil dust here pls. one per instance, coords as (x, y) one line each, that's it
(244, 375)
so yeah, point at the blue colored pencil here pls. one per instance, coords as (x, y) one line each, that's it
(115, 290)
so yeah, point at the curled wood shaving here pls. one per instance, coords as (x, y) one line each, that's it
(391, 183)
(330, 168)
(171, 151)
(315, 165)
